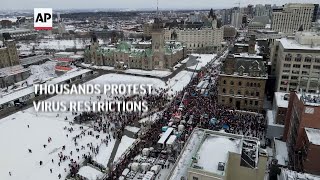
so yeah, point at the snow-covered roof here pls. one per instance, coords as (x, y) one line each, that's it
(281, 152)
(16, 95)
(293, 44)
(132, 129)
(247, 55)
(313, 135)
(293, 175)
(33, 59)
(218, 144)
(171, 139)
(218, 147)
(90, 173)
(68, 76)
(280, 101)
(165, 136)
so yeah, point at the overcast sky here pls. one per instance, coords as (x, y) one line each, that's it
(136, 4)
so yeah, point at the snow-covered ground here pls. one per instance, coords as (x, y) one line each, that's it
(16, 138)
(203, 60)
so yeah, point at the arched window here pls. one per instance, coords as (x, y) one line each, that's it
(224, 82)
(308, 59)
(240, 83)
(239, 92)
(288, 57)
(224, 90)
(298, 58)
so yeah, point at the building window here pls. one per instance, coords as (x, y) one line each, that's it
(296, 65)
(232, 83)
(316, 67)
(308, 59)
(257, 94)
(224, 90)
(230, 100)
(298, 58)
(239, 92)
(306, 66)
(288, 57)
(287, 65)
(248, 84)
(240, 83)
(224, 82)
(256, 103)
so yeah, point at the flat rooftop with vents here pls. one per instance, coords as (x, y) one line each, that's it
(219, 155)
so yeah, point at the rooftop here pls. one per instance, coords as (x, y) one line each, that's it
(309, 99)
(293, 175)
(218, 144)
(281, 151)
(313, 135)
(281, 99)
(293, 44)
(219, 147)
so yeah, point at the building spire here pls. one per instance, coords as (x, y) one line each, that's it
(157, 8)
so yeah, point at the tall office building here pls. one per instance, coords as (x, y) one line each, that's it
(297, 62)
(291, 17)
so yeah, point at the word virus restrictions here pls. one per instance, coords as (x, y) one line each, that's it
(125, 97)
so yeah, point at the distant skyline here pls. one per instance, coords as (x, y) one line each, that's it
(137, 4)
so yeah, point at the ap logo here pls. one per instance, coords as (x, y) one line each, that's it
(43, 18)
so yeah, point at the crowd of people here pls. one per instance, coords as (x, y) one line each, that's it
(200, 108)
(196, 107)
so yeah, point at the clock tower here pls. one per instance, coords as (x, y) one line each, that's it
(158, 44)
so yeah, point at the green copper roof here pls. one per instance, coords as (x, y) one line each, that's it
(123, 46)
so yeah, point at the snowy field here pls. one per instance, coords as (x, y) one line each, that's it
(16, 137)
(203, 60)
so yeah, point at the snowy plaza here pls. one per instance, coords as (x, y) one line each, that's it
(45, 134)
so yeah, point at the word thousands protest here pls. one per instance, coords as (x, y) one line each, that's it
(125, 97)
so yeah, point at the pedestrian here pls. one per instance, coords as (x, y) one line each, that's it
(40, 163)
(52, 160)
(51, 171)
(9, 173)
(28, 125)
(59, 176)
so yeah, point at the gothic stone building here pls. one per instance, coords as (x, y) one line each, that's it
(242, 84)
(159, 55)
